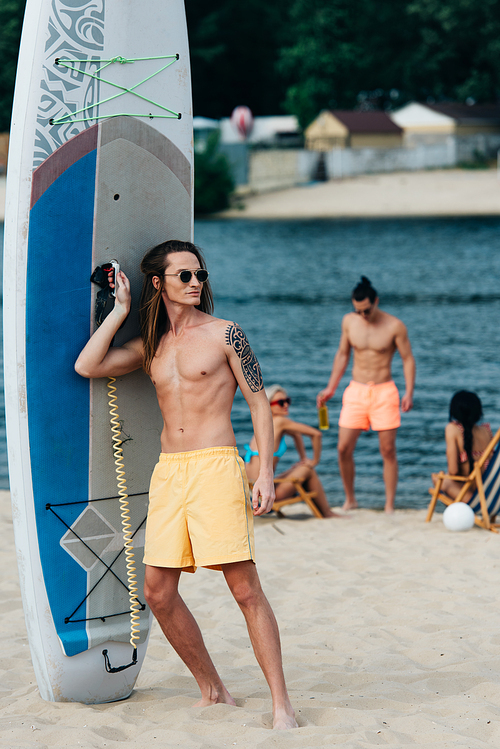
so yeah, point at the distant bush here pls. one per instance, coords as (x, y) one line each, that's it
(479, 161)
(213, 181)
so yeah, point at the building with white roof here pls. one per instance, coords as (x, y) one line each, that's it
(422, 125)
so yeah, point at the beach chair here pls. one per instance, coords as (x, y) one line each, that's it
(486, 498)
(301, 496)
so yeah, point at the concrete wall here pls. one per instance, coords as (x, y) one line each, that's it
(237, 156)
(348, 162)
(274, 169)
(277, 168)
(484, 144)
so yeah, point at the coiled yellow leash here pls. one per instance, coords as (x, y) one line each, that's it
(101, 277)
(135, 606)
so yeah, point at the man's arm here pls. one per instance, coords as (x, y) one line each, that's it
(340, 362)
(97, 359)
(246, 370)
(403, 345)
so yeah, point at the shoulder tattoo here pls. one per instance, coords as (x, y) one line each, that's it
(236, 338)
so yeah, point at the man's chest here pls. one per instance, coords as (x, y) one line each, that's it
(189, 361)
(374, 338)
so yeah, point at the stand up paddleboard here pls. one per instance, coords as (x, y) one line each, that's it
(100, 168)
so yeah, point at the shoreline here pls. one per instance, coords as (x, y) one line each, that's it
(446, 193)
(389, 629)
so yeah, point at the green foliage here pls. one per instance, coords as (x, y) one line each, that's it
(11, 19)
(458, 53)
(337, 50)
(213, 183)
(479, 161)
(302, 56)
(234, 50)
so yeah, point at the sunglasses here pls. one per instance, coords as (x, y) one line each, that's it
(364, 312)
(282, 402)
(185, 275)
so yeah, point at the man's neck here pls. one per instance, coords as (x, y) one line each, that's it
(181, 316)
(377, 316)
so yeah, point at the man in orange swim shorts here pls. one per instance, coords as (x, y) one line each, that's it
(371, 399)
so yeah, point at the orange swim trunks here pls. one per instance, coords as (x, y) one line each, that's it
(370, 405)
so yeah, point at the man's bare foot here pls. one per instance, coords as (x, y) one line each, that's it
(284, 718)
(350, 505)
(215, 697)
(389, 510)
(334, 515)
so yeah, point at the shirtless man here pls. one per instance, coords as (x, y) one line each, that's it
(371, 398)
(200, 512)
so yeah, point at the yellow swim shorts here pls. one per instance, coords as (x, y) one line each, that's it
(200, 512)
(368, 404)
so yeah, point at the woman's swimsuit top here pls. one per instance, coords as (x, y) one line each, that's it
(278, 454)
(476, 454)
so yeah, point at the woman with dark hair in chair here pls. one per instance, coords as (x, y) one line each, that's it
(466, 440)
(304, 469)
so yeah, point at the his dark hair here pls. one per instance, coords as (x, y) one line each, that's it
(364, 290)
(153, 315)
(466, 408)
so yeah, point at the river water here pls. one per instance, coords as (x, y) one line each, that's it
(288, 284)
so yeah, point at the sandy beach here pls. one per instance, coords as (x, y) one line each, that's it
(390, 638)
(449, 192)
(390, 626)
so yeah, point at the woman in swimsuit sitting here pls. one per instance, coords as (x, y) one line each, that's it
(304, 469)
(466, 440)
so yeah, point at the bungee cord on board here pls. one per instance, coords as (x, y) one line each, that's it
(78, 66)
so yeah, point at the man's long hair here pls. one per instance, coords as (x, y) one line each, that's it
(153, 314)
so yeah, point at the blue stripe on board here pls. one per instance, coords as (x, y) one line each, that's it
(57, 325)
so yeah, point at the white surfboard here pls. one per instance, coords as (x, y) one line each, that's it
(100, 168)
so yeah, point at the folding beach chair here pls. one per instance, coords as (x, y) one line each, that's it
(486, 498)
(301, 496)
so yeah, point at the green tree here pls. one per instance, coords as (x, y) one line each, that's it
(458, 51)
(213, 182)
(234, 49)
(11, 19)
(339, 48)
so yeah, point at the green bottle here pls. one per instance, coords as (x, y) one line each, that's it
(323, 418)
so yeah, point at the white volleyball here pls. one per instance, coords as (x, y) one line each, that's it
(458, 517)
